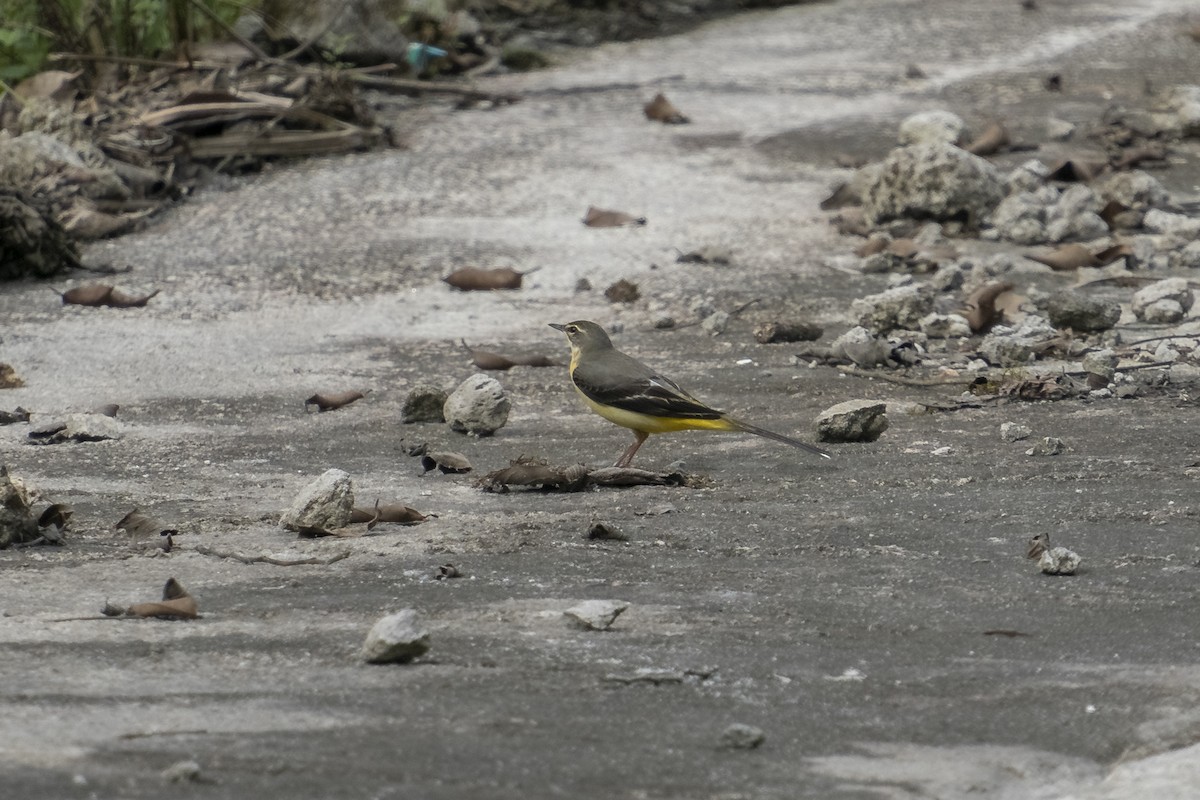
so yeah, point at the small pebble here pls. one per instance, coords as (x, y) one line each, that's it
(1059, 561)
(742, 737)
(1048, 446)
(1012, 432)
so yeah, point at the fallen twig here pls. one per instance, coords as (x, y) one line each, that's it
(863, 373)
(278, 562)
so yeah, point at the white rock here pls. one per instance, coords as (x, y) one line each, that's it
(931, 127)
(945, 326)
(479, 406)
(862, 347)
(1047, 446)
(1136, 189)
(1012, 432)
(933, 181)
(1059, 561)
(853, 421)
(1026, 178)
(596, 615)
(1179, 225)
(1102, 363)
(324, 503)
(1059, 129)
(396, 638)
(1165, 301)
(900, 307)
(1020, 218)
(742, 737)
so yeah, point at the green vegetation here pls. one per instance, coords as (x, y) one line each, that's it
(32, 29)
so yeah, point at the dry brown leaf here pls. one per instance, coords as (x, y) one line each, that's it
(903, 248)
(843, 195)
(52, 84)
(176, 603)
(485, 359)
(851, 222)
(314, 532)
(1037, 545)
(876, 244)
(476, 279)
(993, 138)
(57, 515)
(448, 463)
(393, 512)
(1113, 253)
(1111, 211)
(605, 218)
(101, 294)
(980, 308)
(1132, 156)
(771, 332)
(332, 402)
(1081, 170)
(136, 523)
(533, 473)
(660, 109)
(1065, 258)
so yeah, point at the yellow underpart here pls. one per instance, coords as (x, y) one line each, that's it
(651, 424)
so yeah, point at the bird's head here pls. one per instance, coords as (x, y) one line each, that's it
(583, 335)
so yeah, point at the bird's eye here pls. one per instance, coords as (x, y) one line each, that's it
(572, 329)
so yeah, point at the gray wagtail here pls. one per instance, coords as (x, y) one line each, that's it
(625, 391)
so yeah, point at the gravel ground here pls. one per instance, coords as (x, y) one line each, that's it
(839, 606)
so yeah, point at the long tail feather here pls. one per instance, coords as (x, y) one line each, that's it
(778, 437)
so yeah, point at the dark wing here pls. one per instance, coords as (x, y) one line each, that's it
(622, 382)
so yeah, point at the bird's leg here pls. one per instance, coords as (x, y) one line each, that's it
(627, 457)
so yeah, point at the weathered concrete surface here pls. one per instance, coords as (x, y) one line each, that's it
(842, 604)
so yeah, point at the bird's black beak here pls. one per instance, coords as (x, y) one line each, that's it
(558, 327)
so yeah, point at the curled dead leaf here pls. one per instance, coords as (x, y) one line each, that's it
(876, 244)
(980, 308)
(57, 515)
(51, 84)
(1077, 170)
(102, 294)
(990, 141)
(660, 109)
(393, 512)
(1037, 545)
(476, 279)
(176, 603)
(524, 472)
(446, 572)
(771, 332)
(448, 463)
(316, 532)
(842, 195)
(1075, 255)
(1130, 157)
(332, 402)
(1067, 257)
(485, 359)
(136, 523)
(1112, 212)
(606, 218)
